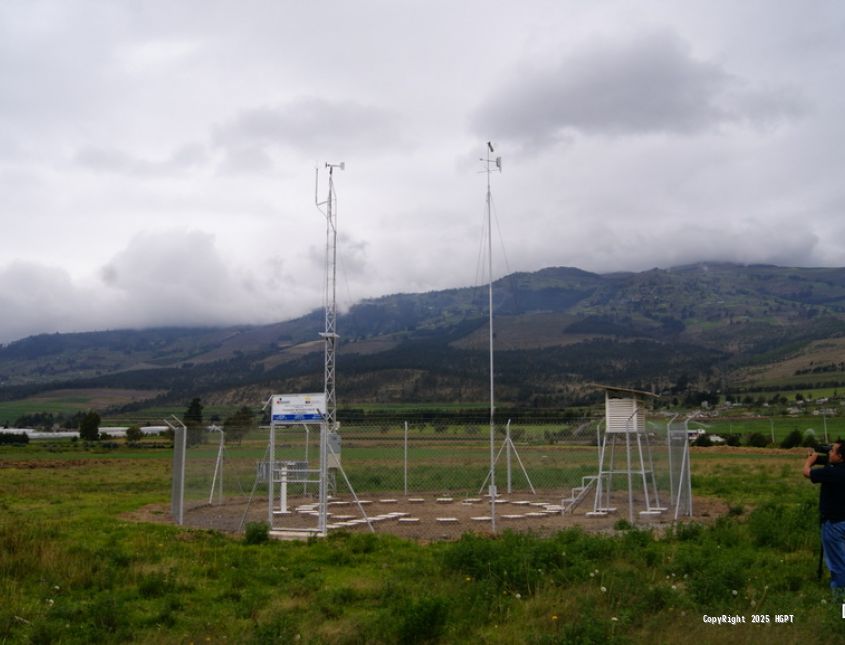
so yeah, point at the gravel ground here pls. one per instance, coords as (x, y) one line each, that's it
(426, 517)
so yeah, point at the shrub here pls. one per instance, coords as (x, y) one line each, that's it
(14, 438)
(703, 441)
(423, 620)
(732, 439)
(134, 434)
(782, 527)
(714, 582)
(757, 440)
(792, 440)
(521, 563)
(89, 426)
(256, 533)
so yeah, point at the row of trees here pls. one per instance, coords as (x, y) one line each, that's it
(236, 426)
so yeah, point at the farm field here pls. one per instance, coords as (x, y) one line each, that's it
(71, 401)
(74, 568)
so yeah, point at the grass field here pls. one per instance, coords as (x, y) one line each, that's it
(68, 402)
(74, 570)
(779, 427)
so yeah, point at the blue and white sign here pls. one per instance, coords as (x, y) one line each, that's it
(298, 408)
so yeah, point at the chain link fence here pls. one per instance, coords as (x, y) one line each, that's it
(427, 480)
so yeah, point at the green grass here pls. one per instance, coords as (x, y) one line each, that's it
(401, 407)
(11, 410)
(156, 414)
(73, 570)
(780, 426)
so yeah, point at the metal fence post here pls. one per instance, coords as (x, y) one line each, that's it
(177, 493)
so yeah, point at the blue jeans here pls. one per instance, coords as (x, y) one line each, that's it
(833, 539)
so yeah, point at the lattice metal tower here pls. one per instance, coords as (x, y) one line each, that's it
(330, 298)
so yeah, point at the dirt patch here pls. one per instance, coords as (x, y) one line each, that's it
(392, 515)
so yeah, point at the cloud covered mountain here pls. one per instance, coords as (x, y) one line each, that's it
(721, 325)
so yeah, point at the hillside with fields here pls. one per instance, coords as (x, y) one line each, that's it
(708, 327)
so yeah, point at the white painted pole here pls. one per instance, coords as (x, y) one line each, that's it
(283, 491)
(490, 321)
(508, 455)
(271, 460)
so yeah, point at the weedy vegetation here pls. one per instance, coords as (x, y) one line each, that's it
(74, 569)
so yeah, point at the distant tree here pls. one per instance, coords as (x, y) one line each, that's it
(89, 426)
(193, 415)
(134, 434)
(14, 438)
(192, 418)
(239, 424)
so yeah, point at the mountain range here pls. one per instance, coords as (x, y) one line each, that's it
(703, 327)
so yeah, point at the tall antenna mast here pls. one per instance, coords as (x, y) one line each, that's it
(330, 297)
(489, 165)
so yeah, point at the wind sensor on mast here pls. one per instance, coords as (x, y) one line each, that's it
(330, 295)
(489, 164)
(328, 429)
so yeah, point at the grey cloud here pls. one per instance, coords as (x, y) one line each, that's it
(249, 159)
(352, 255)
(631, 247)
(311, 124)
(41, 299)
(112, 160)
(166, 278)
(650, 85)
(178, 275)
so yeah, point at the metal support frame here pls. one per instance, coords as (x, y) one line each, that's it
(636, 438)
(510, 450)
(217, 479)
(280, 474)
(680, 489)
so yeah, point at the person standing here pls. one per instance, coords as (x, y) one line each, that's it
(830, 473)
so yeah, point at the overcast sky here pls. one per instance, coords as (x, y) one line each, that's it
(157, 158)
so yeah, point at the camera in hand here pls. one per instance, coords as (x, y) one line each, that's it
(822, 449)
